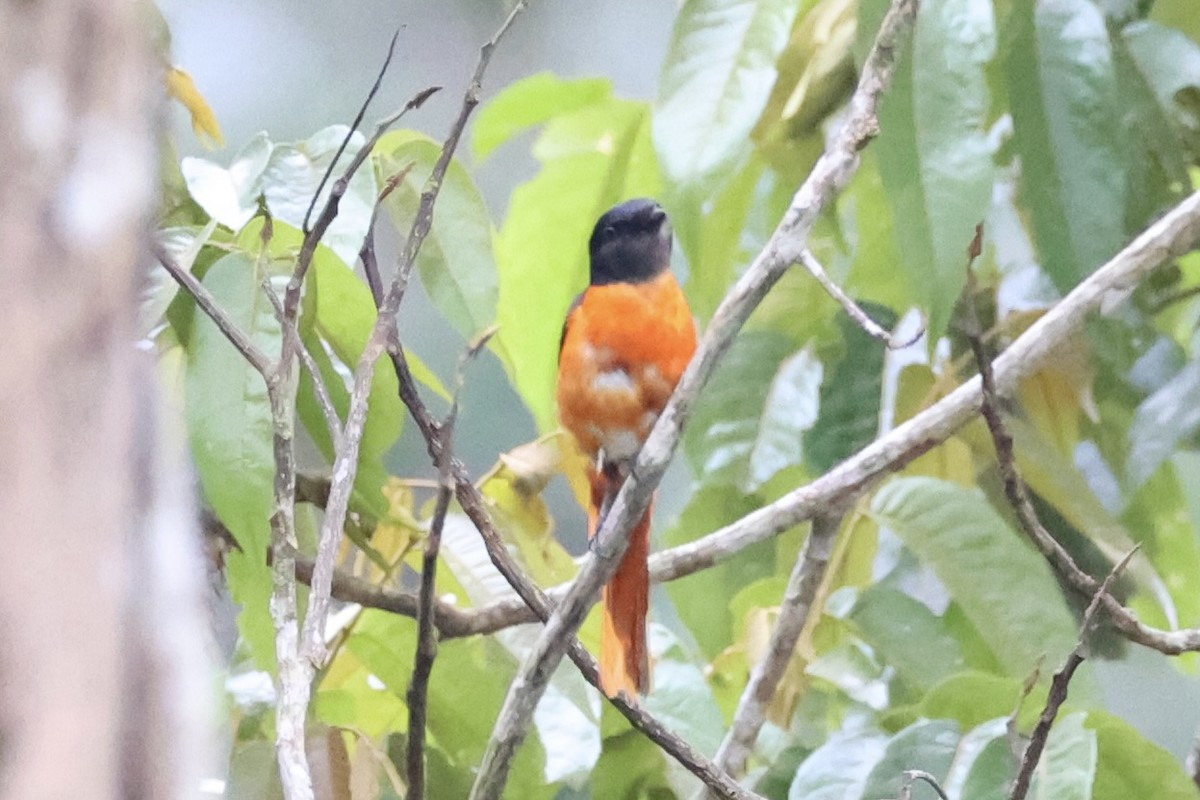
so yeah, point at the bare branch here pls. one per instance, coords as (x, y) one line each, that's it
(911, 776)
(852, 308)
(793, 615)
(333, 423)
(830, 175)
(1059, 685)
(208, 304)
(346, 462)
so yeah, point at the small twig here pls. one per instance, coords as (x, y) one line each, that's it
(367, 253)
(358, 118)
(852, 308)
(1015, 490)
(1060, 684)
(345, 465)
(236, 336)
(829, 176)
(911, 776)
(418, 690)
(333, 423)
(794, 614)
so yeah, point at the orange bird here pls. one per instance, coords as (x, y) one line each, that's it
(625, 343)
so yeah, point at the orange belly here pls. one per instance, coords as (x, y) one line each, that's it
(625, 348)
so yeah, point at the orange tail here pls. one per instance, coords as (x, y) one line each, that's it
(624, 663)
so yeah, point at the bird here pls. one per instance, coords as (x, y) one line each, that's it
(625, 344)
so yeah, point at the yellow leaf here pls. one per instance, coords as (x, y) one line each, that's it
(204, 122)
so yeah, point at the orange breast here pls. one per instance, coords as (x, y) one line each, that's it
(625, 348)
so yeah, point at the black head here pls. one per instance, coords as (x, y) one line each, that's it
(631, 243)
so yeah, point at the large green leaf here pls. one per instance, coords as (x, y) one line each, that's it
(984, 765)
(927, 745)
(591, 158)
(790, 410)
(907, 636)
(850, 397)
(721, 439)
(1170, 63)
(456, 262)
(933, 153)
(230, 433)
(1129, 765)
(718, 75)
(293, 174)
(972, 698)
(1006, 590)
(1165, 419)
(529, 102)
(838, 769)
(1068, 133)
(1068, 764)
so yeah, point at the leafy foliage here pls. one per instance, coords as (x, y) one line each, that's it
(1064, 125)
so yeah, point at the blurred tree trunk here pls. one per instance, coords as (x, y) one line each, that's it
(90, 705)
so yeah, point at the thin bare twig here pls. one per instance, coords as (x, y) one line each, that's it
(911, 776)
(830, 175)
(236, 336)
(333, 423)
(1060, 684)
(346, 462)
(853, 309)
(794, 613)
(358, 118)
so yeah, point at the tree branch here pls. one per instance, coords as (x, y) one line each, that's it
(1059, 685)
(830, 175)
(794, 614)
(852, 309)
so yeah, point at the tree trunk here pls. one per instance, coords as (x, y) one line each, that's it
(83, 476)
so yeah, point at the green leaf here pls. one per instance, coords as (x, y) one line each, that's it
(933, 153)
(1068, 763)
(229, 195)
(1068, 133)
(907, 636)
(681, 697)
(1129, 765)
(591, 158)
(230, 433)
(717, 77)
(529, 102)
(927, 745)
(1006, 590)
(721, 439)
(838, 769)
(790, 410)
(1164, 420)
(984, 765)
(851, 397)
(1170, 63)
(293, 174)
(972, 698)
(456, 262)
(466, 690)
(710, 507)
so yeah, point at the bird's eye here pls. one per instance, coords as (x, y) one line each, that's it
(609, 231)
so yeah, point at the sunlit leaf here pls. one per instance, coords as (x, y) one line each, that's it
(838, 770)
(972, 698)
(530, 102)
(230, 433)
(718, 74)
(456, 262)
(928, 745)
(908, 636)
(1130, 765)
(1068, 764)
(984, 764)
